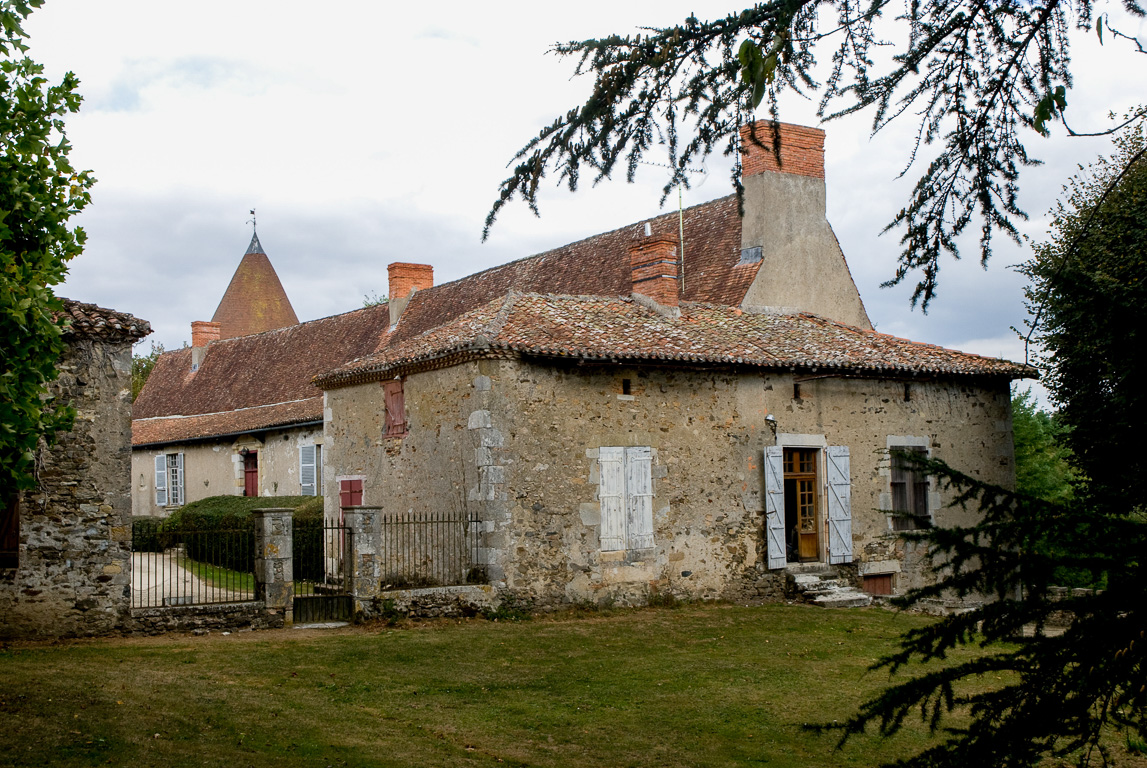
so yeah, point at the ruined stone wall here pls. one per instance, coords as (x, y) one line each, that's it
(74, 571)
(517, 444)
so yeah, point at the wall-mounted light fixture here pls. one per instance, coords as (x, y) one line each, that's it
(771, 420)
(245, 451)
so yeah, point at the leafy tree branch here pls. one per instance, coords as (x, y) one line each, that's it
(39, 192)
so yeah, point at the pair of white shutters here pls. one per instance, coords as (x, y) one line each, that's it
(625, 491)
(839, 505)
(168, 493)
(308, 469)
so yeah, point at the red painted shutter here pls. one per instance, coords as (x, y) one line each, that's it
(350, 493)
(395, 408)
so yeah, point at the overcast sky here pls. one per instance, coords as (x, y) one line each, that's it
(365, 134)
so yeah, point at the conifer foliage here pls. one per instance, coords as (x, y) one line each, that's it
(1072, 694)
(976, 74)
(39, 192)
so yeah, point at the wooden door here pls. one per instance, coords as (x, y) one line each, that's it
(251, 474)
(802, 502)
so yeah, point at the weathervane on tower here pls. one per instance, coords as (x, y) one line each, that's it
(255, 246)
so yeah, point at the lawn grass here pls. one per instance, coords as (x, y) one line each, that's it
(708, 685)
(220, 577)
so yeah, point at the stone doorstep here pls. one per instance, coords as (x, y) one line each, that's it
(845, 598)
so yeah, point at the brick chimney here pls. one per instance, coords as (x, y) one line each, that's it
(203, 332)
(654, 264)
(785, 231)
(405, 279)
(801, 150)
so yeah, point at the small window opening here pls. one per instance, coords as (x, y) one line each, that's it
(907, 392)
(796, 390)
(626, 386)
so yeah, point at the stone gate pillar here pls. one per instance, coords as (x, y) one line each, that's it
(274, 573)
(363, 566)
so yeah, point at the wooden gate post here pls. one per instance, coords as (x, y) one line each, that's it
(363, 545)
(274, 571)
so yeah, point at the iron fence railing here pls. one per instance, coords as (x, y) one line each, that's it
(429, 549)
(175, 564)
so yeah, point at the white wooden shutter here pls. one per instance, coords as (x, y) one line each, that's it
(839, 505)
(307, 469)
(639, 497)
(161, 480)
(611, 494)
(177, 482)
(775, 506)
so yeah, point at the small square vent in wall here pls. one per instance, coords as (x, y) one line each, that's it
(750, 255)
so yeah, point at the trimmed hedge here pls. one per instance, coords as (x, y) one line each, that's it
(217, 530)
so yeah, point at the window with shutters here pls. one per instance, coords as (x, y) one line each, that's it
(909, 490)
(625, 490)
(395, 408)
(169, 480)
(311, 469)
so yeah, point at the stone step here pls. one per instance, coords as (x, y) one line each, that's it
(799, 568)
(843, 598)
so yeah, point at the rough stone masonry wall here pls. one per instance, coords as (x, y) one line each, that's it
(74, 574)
(517, 444)
(707, 431)
(431, 469)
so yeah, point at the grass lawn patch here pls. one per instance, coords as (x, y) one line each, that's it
(701, 685)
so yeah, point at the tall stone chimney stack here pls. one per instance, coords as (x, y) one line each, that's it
(784, 226)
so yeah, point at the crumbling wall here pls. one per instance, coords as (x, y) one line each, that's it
(74, 574)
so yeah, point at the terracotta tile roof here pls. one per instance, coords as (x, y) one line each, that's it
(94, 322)
(253, 372)
(600, 266)
(607, 329)
(255, 300)
(172, 429)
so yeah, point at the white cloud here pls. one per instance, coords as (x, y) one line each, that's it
(367, 133)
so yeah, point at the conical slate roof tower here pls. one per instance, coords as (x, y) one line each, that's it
(255, 300)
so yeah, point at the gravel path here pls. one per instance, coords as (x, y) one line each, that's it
(158, 580)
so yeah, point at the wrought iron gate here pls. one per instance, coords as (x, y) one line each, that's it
(322, 569)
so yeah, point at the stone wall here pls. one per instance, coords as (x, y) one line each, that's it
(517, 444)
(74, 572)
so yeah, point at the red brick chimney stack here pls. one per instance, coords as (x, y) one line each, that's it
(203, 332)
(654, 264)
(801, 150)
(406, 278)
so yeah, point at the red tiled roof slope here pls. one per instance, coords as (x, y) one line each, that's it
(600, 266)
(95, 322)
(591, 327)
(254, 301)
(180, 428)
(259, 370)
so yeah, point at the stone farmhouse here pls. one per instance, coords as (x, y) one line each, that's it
(244, 419)
(696, 404)
(65, 547)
